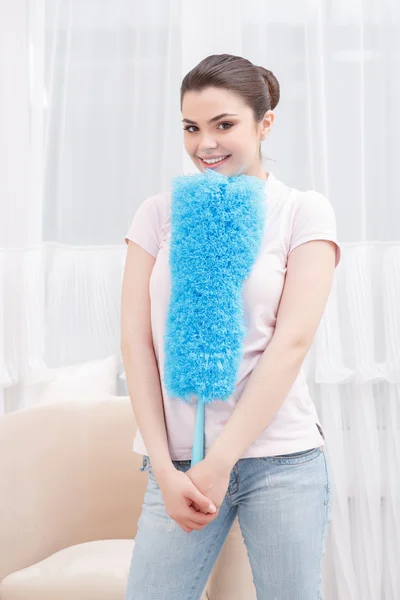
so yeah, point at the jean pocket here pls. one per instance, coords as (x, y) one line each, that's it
(146, 466)
(295, 457)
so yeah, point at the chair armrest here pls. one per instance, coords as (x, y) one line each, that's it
(67, 475)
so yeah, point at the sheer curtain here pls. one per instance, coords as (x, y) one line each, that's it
(90, 111)
(90, 127)
(336, 130)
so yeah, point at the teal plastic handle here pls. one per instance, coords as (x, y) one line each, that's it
(198, 442)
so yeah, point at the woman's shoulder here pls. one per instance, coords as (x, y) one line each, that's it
(308, 215)
(159, 200)
(298, 201)
(159, 204)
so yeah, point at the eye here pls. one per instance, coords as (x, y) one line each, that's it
(189, 127)
(226, 123)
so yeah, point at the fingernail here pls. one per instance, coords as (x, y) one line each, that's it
(212, 508)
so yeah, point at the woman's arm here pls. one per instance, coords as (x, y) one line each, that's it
(309, 277)
(141, 369)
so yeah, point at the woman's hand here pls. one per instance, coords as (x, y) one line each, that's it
(184, 503)
(211, 481)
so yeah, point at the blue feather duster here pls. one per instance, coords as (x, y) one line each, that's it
(217, 226)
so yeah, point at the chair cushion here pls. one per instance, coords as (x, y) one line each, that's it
(90, 571)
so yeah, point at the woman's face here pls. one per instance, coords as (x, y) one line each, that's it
(236, 135)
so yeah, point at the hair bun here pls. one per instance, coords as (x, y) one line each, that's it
(273, 85)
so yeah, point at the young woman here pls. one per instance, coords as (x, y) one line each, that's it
(264, 461)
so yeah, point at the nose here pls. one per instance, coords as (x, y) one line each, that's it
(207, 143)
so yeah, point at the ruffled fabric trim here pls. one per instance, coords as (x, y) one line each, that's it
(359, 335)
(63, 303)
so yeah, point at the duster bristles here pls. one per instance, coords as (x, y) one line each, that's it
(217, 226)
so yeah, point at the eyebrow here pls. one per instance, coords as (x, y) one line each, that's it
(211, 120)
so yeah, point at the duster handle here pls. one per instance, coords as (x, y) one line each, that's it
(198, 442)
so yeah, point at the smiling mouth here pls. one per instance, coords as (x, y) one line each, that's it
(215, 162)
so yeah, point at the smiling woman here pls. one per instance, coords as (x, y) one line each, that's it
(263, 458)
(227, 103)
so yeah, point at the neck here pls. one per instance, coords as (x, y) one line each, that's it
(258, 171)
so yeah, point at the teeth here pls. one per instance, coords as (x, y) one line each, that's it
(214, 160)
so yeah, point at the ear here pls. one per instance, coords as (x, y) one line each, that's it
(267, 123)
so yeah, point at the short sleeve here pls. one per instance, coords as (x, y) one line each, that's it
(314, 219)
(144, 229)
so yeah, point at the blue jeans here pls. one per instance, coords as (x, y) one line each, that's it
(283, 504)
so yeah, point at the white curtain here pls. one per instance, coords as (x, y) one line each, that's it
(90, 126)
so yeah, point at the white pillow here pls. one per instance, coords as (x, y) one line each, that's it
(86, 381)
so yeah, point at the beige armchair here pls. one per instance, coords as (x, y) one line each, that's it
(70, 497)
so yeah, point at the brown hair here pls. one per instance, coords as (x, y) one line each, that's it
(258, 87)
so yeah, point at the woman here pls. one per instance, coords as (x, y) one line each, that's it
(265, 461)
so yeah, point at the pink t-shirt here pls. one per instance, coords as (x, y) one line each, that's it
(293, 218)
